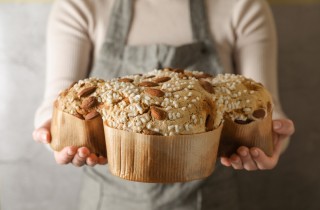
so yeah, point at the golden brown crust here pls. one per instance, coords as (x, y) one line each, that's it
(168, 102)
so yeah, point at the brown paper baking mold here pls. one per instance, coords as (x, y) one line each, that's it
(257, 133)
(161, 159)
(68, 130)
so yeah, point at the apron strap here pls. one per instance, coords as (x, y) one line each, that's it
(199, 20)
(120, 22)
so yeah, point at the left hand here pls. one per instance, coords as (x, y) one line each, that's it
(254, 158)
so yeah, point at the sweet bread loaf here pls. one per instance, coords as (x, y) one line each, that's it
(75, 120)
(168, 118)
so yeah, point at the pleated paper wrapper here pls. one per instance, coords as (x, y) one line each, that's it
(68, 130)
(257, 133)
(161, 159)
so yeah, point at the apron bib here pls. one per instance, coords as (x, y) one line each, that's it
(101, 190)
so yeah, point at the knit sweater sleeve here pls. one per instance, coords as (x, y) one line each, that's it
(68, 51)
(255, 49)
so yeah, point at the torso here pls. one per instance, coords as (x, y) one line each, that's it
(174, 29)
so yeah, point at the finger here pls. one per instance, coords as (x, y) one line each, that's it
(246, 159)
(225, 161)
(66, 155)
(42, 134)
(263, 161)
(92, 160)
(81, 157)
(283, 127)
(236, 162)
(278, 142)
(102, 160)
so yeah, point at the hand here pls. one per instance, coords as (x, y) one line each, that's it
(254, 158)
(77, 156)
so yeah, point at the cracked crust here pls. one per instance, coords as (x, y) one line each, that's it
(168, 101)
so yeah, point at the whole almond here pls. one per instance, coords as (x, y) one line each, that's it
(151, 76)
(125, 80)
(259, 113)
(148, 84)
(91, 115)
(168, 69)
(161, 79)
(154, 92)
(202, 76)
(89, 103)
(81, 112)
(178, 70)
(87, 91)
(151, 132)
(207, 86)
(157, 113)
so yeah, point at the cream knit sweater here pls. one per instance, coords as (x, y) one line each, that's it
(243, 31)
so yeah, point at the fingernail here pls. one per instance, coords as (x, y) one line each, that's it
(44, 137)
(91, 160)
(243, 153)
(82, 154)
(277, 125)
(254, 153)
(71, 151)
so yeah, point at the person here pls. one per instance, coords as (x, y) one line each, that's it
(111, 38)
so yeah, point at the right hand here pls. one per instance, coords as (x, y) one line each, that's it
(77, 156)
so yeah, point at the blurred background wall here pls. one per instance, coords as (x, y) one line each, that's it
(29, 177)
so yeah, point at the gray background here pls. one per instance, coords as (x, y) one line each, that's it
(30, 179)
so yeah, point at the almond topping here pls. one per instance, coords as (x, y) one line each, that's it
(91, 115)
(154, 92)
(89, 103)
(178, 70)
(161, 79)
(151, 76)
(167, 69)
(86, 91)
(259, 113)
(148, 84)
(202, 76)
(207, 86)
(125, 80)
(150, 132)
(157, 113)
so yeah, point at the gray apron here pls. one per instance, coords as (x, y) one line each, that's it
(101, 190)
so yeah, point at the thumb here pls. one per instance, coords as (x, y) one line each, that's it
(42, 134)
(283, 127)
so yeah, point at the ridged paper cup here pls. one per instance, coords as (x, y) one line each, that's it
(68, 130)
(161, 159)
(257, 133)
